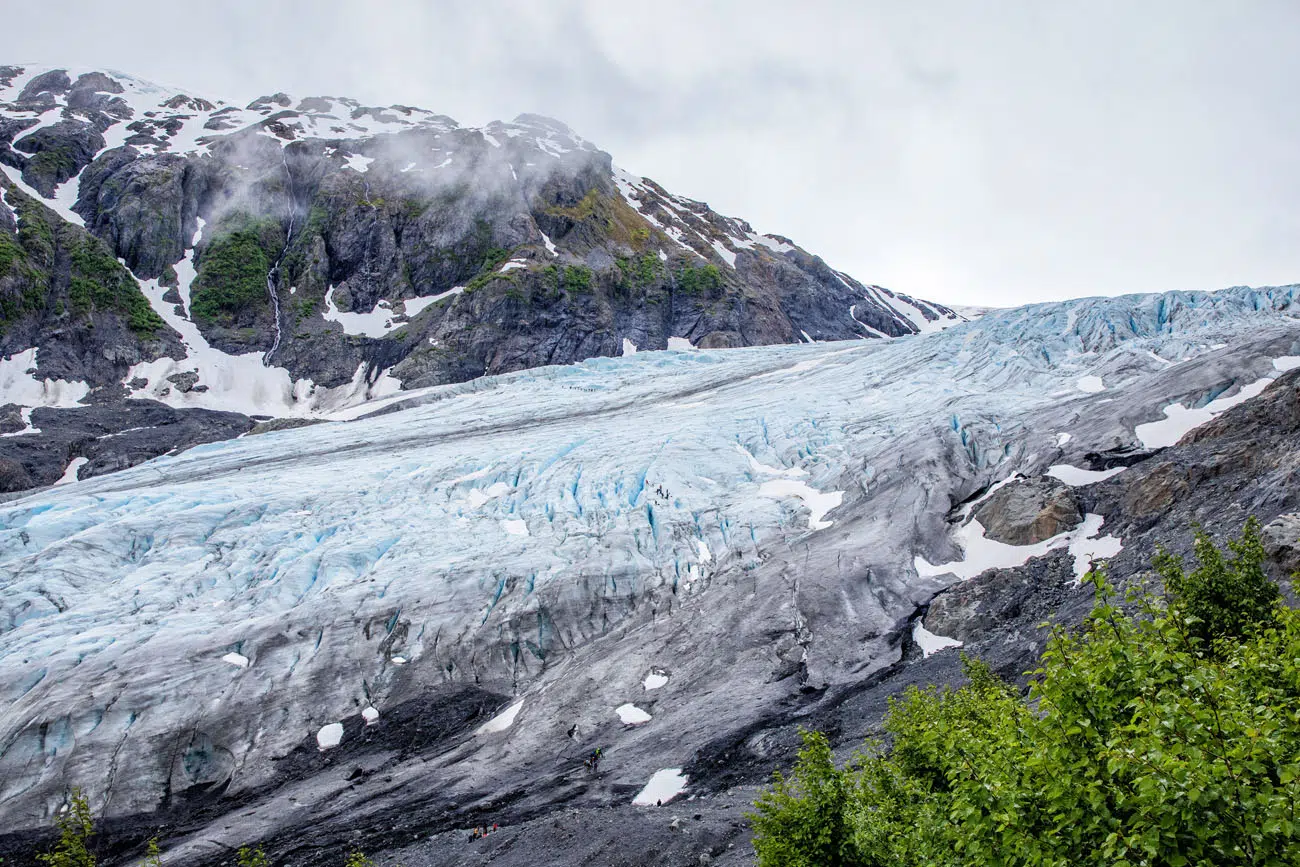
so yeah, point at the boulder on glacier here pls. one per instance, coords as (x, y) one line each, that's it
(1028, 511)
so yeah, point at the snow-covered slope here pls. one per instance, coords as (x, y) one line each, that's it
(735, 525)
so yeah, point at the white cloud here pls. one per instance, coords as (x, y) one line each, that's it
(1044, 151)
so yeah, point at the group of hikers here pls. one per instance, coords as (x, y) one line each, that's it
(480, 833)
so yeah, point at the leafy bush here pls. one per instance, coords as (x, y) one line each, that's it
(577, 278)
(1167, 734)
(252, 857)
(801, 821)
(1229, 599)
(75, 827)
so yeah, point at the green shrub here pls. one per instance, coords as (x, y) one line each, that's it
(641, 271)
(152, 855)
(1140, 743)
(1229, 599)
(577, 278)
(75, 827)
(252, 857)
(801, 821)
(358, 859)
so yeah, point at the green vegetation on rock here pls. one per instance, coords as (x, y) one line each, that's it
(1166, 732)
(100, 282)
(609, 216)
(641, 272)
(233, 269)
(705, 280)
(97, 282)
(55, 163)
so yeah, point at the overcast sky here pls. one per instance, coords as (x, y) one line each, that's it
(1045, 150)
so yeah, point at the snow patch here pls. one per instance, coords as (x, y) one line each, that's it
(375, 324)
(1179, 420)
(631, 715)
(236, 659)
(680, 344)
(663, 787)
(706, 556)
(980, 553)
(329, 736)
(19, 385)
(479, 496)
(930, 643)
(1087, 546)
(1286, 363)
(817, 502)
(515, 527)
(370, 715)
(1077, 477)
(358, 163)
(70, 474)
(655, 680)
(629, 348)
(1090, 384)
(503, 720)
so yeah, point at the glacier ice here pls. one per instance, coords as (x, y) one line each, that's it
(563, 537)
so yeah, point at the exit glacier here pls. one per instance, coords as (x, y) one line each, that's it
(738, 525)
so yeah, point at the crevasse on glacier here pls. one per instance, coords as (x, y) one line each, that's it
(555, 536)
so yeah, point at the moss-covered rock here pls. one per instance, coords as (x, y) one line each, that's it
(230, 287)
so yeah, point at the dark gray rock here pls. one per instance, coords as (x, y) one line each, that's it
(184, 381)
(46, 84)
(57, 153)
(276, 424)
(113, 436)
(1028, 511)
(1282, 544)
(11, 419)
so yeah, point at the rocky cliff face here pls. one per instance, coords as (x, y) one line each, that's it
(353, 250)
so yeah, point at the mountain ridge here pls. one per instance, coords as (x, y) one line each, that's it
(299, 255)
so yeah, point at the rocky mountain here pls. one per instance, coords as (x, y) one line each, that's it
(296, 257)
(376, 635)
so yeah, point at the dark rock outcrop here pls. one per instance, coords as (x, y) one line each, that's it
(1028, 511)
